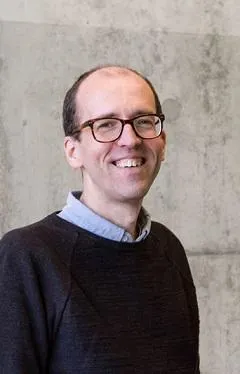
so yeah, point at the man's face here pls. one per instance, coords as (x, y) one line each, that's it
(110, 93)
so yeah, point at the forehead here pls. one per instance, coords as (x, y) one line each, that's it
(113, 89)
(112, 72)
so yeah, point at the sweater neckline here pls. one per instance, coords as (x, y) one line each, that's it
(94, 240)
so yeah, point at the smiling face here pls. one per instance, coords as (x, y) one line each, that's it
(121, 171)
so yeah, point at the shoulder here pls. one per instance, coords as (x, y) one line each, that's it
(165, 235)
(40, 240)
(35, 276)
(172, 247)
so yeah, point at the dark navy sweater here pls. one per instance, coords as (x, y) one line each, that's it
(72, 302)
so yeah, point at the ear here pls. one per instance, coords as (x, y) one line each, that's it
(163, 147)
(72, 148)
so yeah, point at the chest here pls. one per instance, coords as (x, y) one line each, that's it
(130, 317)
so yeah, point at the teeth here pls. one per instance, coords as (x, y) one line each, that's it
(129, 163)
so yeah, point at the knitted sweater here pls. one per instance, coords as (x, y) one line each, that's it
(72, 302)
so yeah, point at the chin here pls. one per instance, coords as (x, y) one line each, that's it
(133, 194)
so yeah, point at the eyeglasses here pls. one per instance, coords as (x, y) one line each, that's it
(106, 130)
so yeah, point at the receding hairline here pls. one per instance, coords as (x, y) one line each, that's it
(111, 71)
(111, 68)
(71, 114)
(108, 71)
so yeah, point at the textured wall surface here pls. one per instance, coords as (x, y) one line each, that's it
(191, 51)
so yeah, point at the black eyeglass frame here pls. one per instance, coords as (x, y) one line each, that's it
(130, 121)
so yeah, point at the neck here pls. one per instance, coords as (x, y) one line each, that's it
(122, 214)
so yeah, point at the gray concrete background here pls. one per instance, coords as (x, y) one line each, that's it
(191, 52)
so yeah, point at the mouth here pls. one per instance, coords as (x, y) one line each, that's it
(130, 162)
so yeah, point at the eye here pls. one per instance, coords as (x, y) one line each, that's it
(146, 122)
(106, 124)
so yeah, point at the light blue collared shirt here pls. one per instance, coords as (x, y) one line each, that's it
(79, 214)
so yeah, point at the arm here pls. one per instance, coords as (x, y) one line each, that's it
(180, 260)
(177, 256)
(23, 327)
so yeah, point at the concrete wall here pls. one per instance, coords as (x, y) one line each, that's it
(191, 51)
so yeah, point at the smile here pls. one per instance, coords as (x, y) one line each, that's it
(129, 162)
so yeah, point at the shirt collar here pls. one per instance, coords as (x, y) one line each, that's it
(79, 214)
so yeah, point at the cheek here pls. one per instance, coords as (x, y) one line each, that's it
(157, 149)
(95, 154)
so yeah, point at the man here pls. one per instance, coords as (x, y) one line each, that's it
(98, 287)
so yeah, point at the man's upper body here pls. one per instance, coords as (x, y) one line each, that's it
(98, 287)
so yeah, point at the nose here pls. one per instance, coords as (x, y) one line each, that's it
(128, 137)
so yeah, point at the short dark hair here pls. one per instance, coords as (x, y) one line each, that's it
(69, 114)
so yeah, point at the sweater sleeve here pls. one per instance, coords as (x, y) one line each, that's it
(23, 326)
(180, 260)
(177, 255)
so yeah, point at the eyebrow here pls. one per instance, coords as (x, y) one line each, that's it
(133, 114)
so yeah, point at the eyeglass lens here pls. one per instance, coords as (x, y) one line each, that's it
(109, 129)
